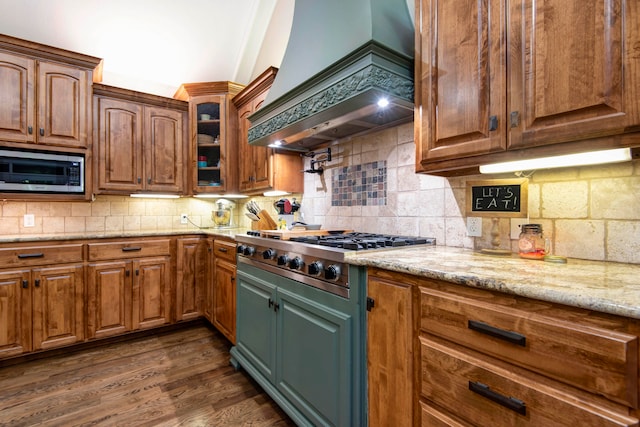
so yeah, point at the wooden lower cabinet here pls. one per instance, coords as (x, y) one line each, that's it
(224, 288)
(130, 293)
(62, 293)
(41, 305)
(191, 260)
(483, 358)
(389, 351)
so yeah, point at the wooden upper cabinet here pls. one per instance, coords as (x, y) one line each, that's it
(119, 144)
(45, 94)
(253, 160)
(574, 72)
(461, 85)
(263, 168)
(140, 142)
(507, 79)
(17, 100)
(64, 105)
(213, 134)
(163, 149)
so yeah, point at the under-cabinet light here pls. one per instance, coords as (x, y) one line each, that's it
(581, 159)
(154, 196)
(217, 196)
(275, 193)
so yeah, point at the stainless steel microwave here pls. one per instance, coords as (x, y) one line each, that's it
(41, 172)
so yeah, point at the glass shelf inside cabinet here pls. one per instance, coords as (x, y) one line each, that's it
(208, 144)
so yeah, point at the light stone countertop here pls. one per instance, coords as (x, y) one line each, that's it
(226, 232)
(601, 286)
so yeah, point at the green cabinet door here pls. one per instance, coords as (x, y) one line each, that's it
(256, 323)
(314, 355)
(302, 346)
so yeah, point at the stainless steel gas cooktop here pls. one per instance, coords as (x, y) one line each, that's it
(317, 260)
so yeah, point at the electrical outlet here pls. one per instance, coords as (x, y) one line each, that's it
(516, 224)
(474, 226)
(29, 220)
(184, 219)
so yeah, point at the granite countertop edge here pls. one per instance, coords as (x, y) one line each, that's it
(606, 287)
(88, 235)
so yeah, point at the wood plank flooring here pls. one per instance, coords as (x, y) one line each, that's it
(177, 378)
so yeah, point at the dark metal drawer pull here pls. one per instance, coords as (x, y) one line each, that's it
(132, 249)
(509, 336)
(222, 250)
(23, 256)
(25, 284)
(512, 403)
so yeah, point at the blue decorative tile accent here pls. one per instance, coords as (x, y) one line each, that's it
(360, 185)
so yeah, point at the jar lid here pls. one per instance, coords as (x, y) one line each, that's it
(532, 227)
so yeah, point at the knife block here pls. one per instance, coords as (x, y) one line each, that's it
(265, 222)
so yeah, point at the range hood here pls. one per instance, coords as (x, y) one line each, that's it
(342, 57)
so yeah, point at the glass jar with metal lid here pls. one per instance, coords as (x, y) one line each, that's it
(531, 243)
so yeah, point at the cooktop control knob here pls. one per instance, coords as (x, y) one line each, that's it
(296, 263)
(269, 254)
(240, 249)
(332, 272)
(283, 260)
(315, 268)
(249, 250)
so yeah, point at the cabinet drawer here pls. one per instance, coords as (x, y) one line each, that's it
(595, 359)
(128, 249)
(224, 249)
(432, 417)
(486, 392)
(40, 255)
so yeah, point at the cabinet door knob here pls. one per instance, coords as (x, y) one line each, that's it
(25, 284)
(515, 119)
(30, 130)
(148, 180)
(41, 131)
(139, 180)
(36, 283)
(493, 123)
(370, 303)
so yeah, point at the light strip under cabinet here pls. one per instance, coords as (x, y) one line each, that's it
(616, 155)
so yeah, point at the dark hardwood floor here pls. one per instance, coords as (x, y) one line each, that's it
(177, 378)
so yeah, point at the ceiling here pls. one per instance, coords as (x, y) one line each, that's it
(155, 45)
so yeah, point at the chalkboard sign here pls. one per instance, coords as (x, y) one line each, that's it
(498, 198)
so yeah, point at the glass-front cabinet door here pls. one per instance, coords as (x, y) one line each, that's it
(213, 131)
(208, 115)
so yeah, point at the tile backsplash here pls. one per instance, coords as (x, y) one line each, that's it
(105, 214)
(587, 212)
(370, 185)
(360, 185)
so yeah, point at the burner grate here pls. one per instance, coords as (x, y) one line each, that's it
(362, 241)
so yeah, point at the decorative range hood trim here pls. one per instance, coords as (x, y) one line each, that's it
(342, 93)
